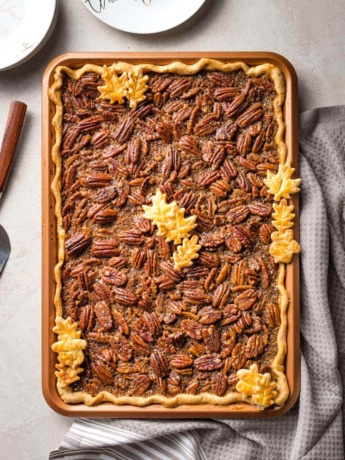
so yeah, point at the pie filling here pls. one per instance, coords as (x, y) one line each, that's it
(174, 228)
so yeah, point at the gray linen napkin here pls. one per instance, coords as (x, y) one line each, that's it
(313, 429)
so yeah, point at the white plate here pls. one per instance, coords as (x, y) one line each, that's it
(25, 25)
(143, 16)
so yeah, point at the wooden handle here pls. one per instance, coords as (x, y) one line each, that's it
(12, 131)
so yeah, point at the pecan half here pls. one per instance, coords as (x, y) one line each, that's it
(140, 384)
(103, 314)
(246, 299)
(125, 297)
(139, 345)
(221, 295)
(95, 180)
(244, 235)
(208, 315)
(211, 339)
(191, 328)
(105, 248)
(260, 209)
(209, 362)
(190, 145)
(86, 318)
(225, 93)
(254, 113)
(113, 276)
(120, 321)
(169, 270)
(208, 259)
(152, 323)
(196, 297)
(238, 356)
(228, 171)
(77, 243)
(179, 86)
(265, 233)
(124, 131)
(254, 347)
(219, 383)
(102, 372)
(272, 315)
(181, 361)
(132, 237)
(121, 347)
(159, 363)
(220, 188)
(243, 144)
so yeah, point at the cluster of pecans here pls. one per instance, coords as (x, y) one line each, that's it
(207, 142)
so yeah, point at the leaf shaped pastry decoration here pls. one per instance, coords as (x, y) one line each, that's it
(70, 350)
(115, 88)
(178, 226)
(159, 210)
(283, 246)
(136, 87)
(281, 185)
(258, 386)
(264, 391)
(283, 216)
(66, 327)
(169, 218)
(186, 253)
(67, 375)
(246, 384)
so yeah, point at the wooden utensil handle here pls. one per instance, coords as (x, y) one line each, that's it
(12, 131)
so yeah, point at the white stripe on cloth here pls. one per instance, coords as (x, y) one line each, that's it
(77, 434)
(96, 440)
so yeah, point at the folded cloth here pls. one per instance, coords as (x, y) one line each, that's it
(313, 428)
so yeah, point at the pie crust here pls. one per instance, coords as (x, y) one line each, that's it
(69, 345)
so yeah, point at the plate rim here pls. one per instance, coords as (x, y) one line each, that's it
(202, 2)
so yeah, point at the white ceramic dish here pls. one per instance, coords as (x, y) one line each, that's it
(25, 26)
(143, 16)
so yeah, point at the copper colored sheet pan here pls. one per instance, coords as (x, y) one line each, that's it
(49, 245)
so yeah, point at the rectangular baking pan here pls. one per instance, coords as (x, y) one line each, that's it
(49, 244)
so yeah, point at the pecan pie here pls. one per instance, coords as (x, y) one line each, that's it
(174, 226)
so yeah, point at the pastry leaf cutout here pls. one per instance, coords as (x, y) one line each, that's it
(258, 386)
(169, 218)
(69, 348)
(283, 246)
(115, 88)
(283, 216)
(131, 85)
(136, 87)
(281, 185)
(186, 253)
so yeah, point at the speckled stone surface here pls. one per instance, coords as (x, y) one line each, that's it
(310, 34)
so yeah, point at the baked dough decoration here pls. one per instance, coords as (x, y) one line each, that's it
(253, 387)
(136, 87)
(169, 218)
(257, 386)
(281, 185)
(186, 253)
(283, 246)
(283, 216)
(131, 85)
(70, 351)
(115, 87)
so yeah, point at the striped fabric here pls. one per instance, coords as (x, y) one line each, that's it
(99, 440)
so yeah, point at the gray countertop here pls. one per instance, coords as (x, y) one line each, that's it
(309, 33)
